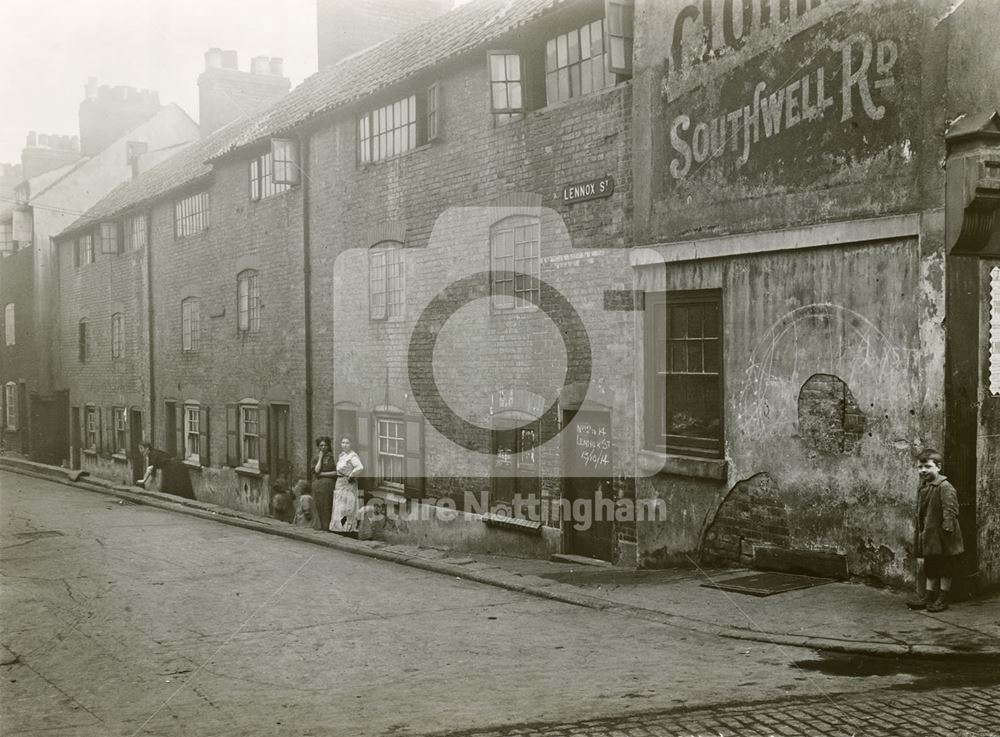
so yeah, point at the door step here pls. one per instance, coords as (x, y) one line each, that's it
(580, 560)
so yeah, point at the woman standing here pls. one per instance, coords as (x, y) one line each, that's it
(345, 494)
(324, 475)
(175, 481)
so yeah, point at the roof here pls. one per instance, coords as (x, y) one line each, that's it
(425, 45)
(184, 167)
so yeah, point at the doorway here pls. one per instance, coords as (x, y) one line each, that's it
(588, 452)
(134, 438)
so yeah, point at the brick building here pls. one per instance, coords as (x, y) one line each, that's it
(533, 273)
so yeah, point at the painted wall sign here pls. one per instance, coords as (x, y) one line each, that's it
(859, 78)
(592, 190)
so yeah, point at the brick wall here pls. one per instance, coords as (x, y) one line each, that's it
(19, 362)
(230, 366)
(439, 196)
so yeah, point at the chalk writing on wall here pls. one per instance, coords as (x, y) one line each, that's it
(593, 446)
(862, 75)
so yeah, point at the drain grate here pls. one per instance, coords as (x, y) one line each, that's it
(767, 584)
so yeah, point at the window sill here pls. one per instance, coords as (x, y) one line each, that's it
(655, 462)
(389, 496)
(90, 452)
(119, 457)
(265, 198)
(251, 471)
(512, 523)
(192, 464)
(365, 165)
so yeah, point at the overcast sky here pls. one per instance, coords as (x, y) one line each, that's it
(51, 47)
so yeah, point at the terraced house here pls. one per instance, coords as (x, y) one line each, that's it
(651, 282)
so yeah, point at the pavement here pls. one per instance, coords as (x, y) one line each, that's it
(842, 617)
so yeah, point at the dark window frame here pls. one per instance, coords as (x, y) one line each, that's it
(391, 255)
(661, 364)
(192, 214)
(504, 268)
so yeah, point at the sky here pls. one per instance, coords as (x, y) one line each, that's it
(51, 47)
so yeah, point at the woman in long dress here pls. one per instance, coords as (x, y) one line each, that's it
(324, 478)
(345, 493)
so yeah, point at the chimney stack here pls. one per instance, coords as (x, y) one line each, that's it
(227, 94)
(47, 151)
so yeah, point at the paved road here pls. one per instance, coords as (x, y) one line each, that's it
(121, 619)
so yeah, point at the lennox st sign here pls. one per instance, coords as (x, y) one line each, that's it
(592, 190)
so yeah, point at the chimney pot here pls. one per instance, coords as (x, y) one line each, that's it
(213, 58)
(260, 65)
(32, 139)
(90, 91)
(277, 66)
(43, 139)
(229, 60)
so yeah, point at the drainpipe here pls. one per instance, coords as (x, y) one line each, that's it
(149, 324)
(307, 285)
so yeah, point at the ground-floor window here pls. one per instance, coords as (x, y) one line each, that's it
(683, 387)
(192, 433)
(249, 434)
(90, 428)
(10, 405)
(515, 462)
(120, 420)
(391, 451)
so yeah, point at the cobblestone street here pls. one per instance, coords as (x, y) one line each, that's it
(963, 712)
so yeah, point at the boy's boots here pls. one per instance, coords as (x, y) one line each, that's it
(922, 601)
(940, 603)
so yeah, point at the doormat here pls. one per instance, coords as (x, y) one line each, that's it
(767, 584)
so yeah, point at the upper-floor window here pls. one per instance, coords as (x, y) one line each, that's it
(506, 90)
(85, 249)
(136, 234)
(8, 324)
(190, 325)
(82, 339)
(683, 346)
(107, 233)
(386, 275)
(275, 171)
(10, 405)
(581, 54)
(400, 126)
(117, 334)
(7, 242)
(248, 302)
(515, 262)
(576, 63)
(191, 215)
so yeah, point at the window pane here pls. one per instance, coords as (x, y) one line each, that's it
(515, 97)
(573, 42)
(513, 67)
(678, 356)
(500, 97)
(562, 51)
(585, 42)
(550, 55)
(497, 67)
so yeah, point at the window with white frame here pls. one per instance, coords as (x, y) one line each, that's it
(515, 263)
(248, 302)
(136, 232)
(249, 434)
(107, 233)
(120, 419)
(192, 433)
(576, 63)
(9, 337)
(90, 428)
(391, 451)
(274, 171)
(386, 281)
(191, 215)
(10, 405)
(117, 334)
(190, 325)
(87, 249)
(506, 90)
(285, 155)
(389, 130)
(584, 50)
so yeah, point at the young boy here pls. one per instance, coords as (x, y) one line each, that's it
(938, 539)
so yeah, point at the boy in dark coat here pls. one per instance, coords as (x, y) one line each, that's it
(938, 539)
